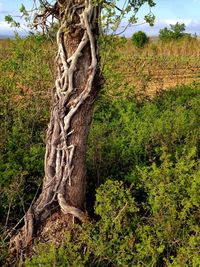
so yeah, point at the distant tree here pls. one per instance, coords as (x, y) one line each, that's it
(176, 32)
(139, 39)
(178, 29)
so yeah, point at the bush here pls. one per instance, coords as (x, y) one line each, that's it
(139, 39)
(23, 119)
(176, 32)
(153, 222)
(143, 156)
(126, 134)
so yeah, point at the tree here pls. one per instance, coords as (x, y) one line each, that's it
(139, 39)
(175, 32)
(76, 88)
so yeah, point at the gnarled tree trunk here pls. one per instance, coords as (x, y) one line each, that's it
(76, 88)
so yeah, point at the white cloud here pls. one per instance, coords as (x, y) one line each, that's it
(185, 21)
(5, 29)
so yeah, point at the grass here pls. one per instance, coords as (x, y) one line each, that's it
(159, 65)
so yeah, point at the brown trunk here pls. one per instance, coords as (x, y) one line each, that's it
(76, 88)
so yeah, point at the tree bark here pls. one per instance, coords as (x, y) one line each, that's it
(76, 88)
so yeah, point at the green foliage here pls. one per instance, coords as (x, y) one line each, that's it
(172, 191)
(142, 155)
(126, 134)
(23, 10)
(113, 14)
(159, 230)
(176, 32)
(9, 19)
(110, 240)
(24, 115)
(139, 39)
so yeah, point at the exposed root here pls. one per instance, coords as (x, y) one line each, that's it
(67, 209)
(24, 238)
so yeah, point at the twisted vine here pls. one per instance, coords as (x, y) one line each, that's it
(81, 17)
(64, 90)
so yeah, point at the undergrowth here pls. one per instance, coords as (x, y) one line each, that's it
(143, 158)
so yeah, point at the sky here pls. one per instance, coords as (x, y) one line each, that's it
(166, 12)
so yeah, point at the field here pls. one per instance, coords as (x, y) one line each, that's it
(143, 191)
(159, 65)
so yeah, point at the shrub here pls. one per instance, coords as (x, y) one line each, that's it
(126, 134)
(176, 32)
(152, 145)
(139, 39)
(23, 119)
(153, 222)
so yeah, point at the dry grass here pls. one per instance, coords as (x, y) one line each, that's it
(156, 67)
(159, 65)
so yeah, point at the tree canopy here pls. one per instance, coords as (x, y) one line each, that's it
(175, 32)
(44, 13)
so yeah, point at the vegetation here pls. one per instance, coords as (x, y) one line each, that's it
(143, 156)
(159, 65)
(139, 39)
(78, 81)
(176, 32)
(147, 212)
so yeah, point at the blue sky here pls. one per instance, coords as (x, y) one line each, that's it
(166, 12)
